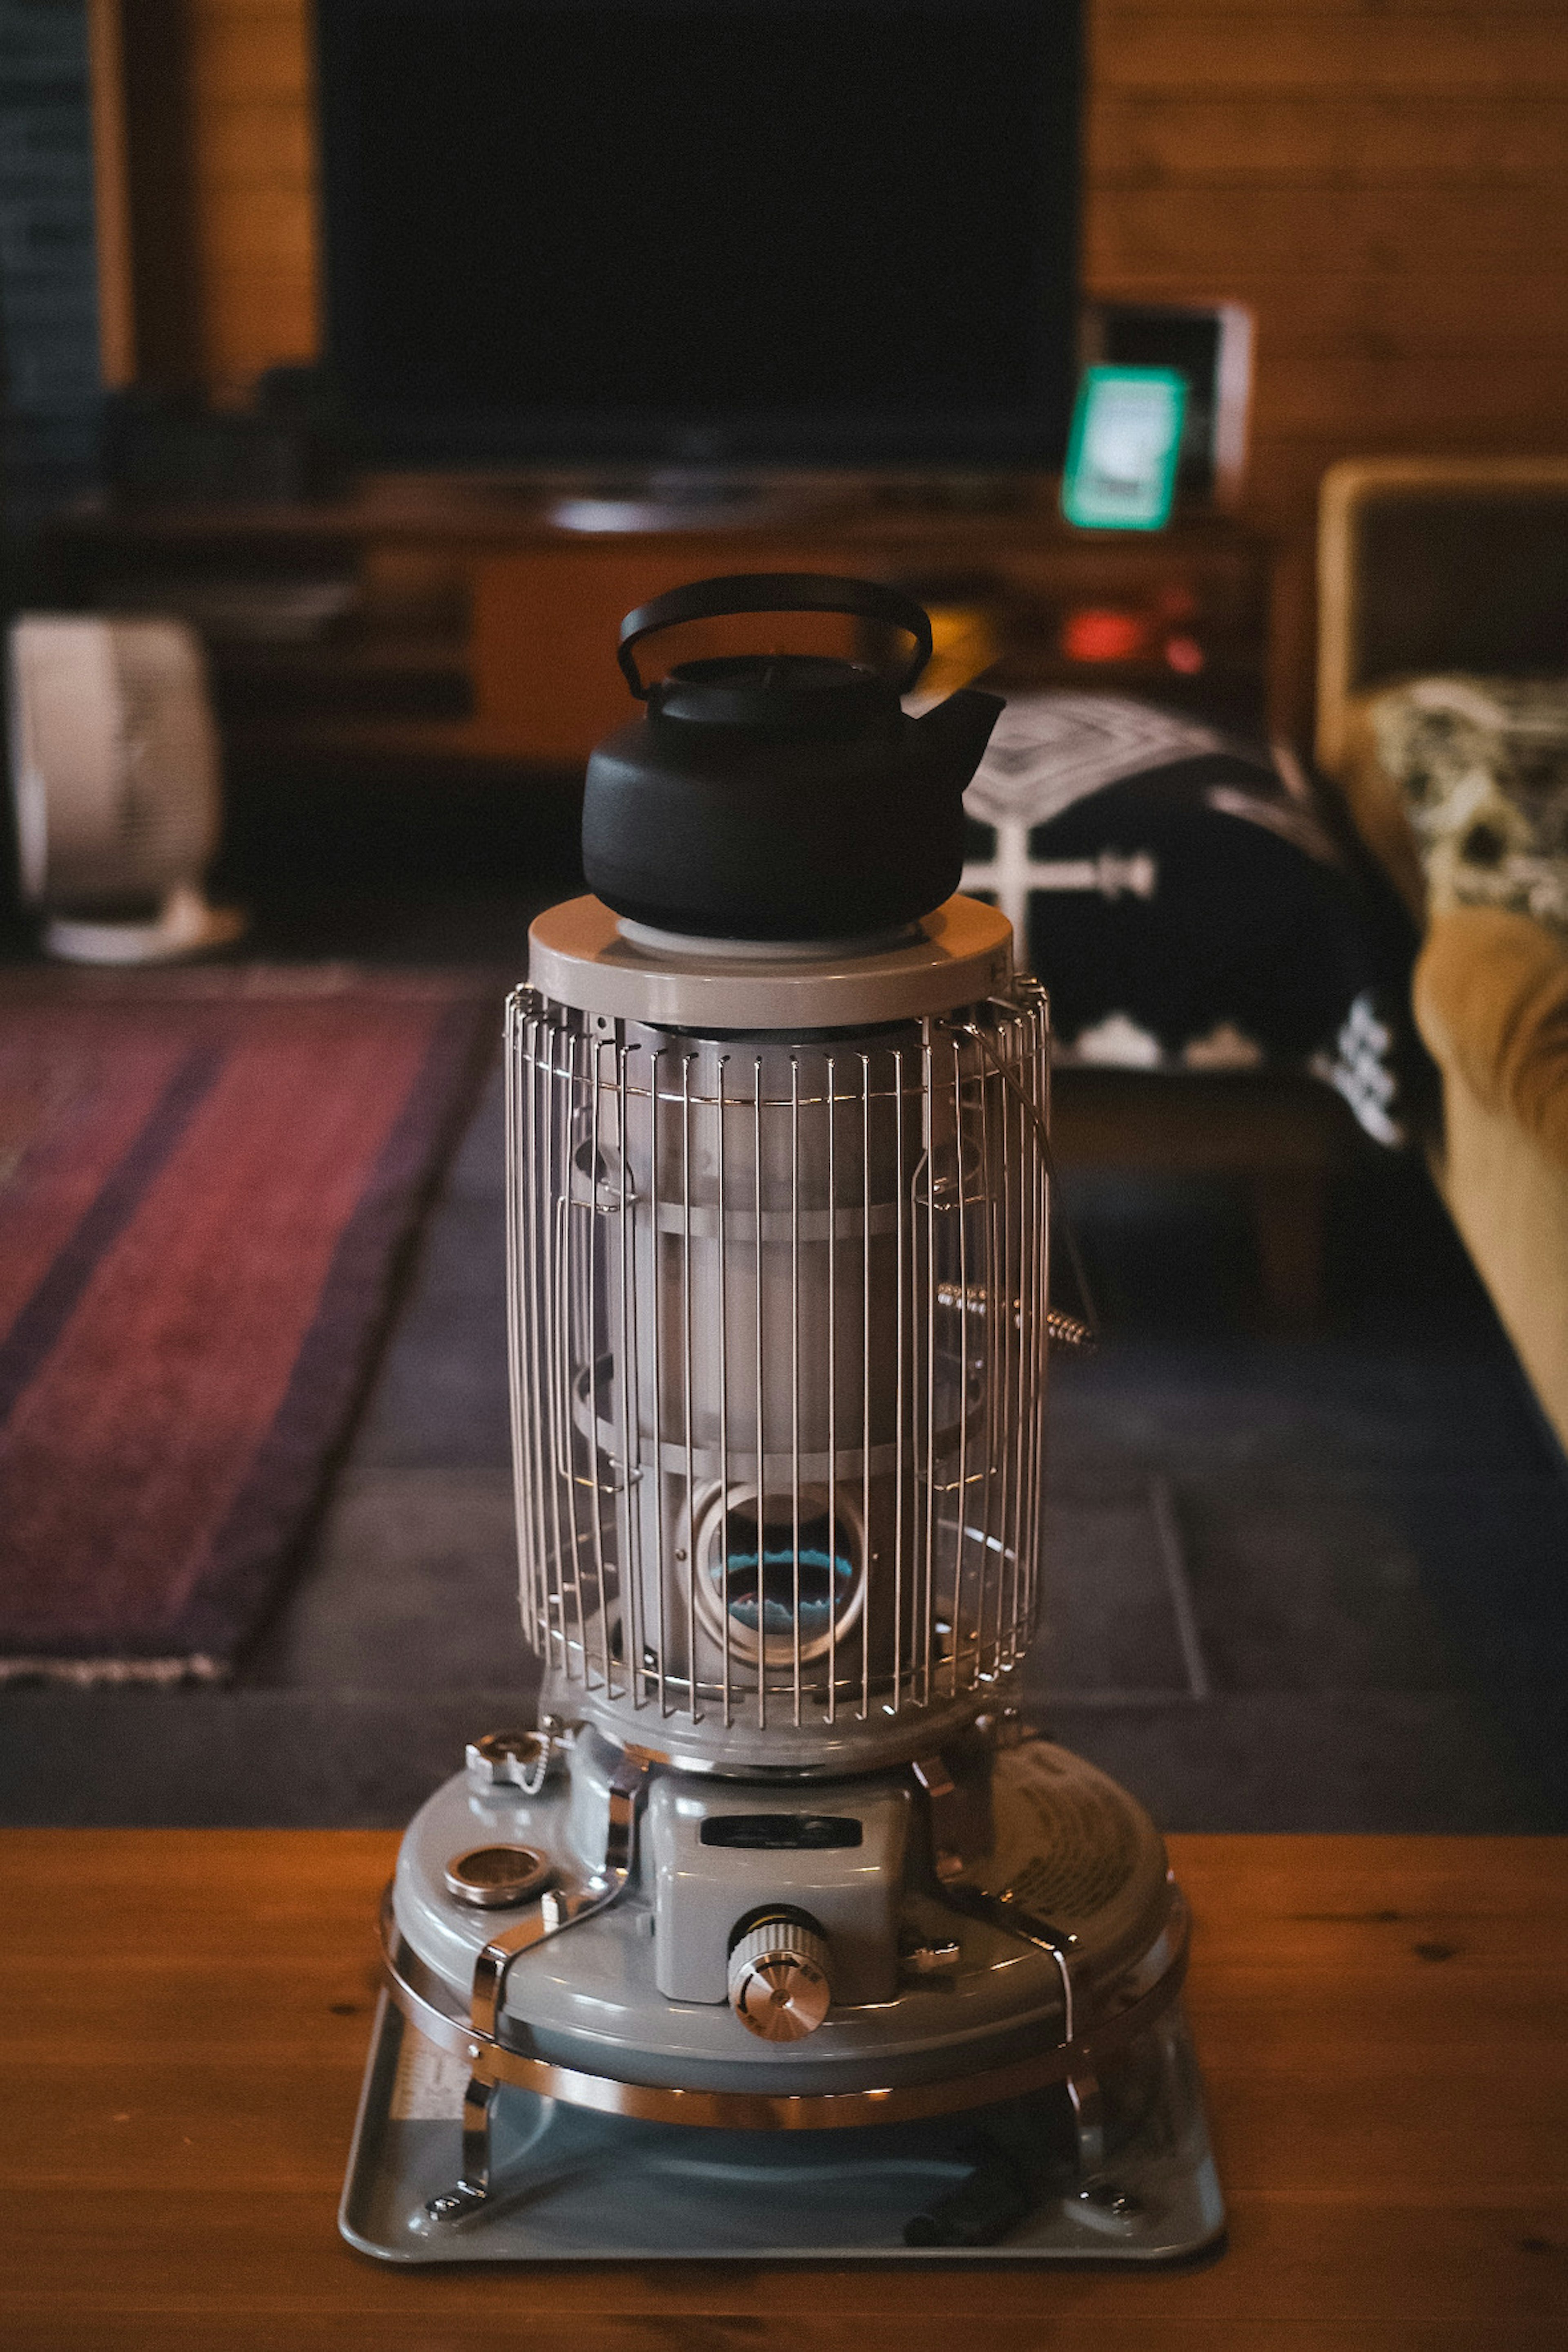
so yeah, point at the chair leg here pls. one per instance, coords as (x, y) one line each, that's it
(1287, 1217)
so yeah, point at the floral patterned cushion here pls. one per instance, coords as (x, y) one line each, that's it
(1483, 767)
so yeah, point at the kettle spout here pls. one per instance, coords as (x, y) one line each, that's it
(954, 735)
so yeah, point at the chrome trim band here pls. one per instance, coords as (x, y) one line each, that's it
(493, 2063)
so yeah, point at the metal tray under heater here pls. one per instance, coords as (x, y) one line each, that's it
(573, 2186)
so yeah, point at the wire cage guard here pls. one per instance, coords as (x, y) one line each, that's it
(778, 1332)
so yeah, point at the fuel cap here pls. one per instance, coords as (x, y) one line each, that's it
(493, 1877)
(779, 1987)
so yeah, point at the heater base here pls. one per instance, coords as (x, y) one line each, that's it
(995, 2184)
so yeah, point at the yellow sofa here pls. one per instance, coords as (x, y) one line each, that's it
(1430, 567)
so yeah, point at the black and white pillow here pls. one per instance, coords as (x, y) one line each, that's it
(1184, 899)
(1483, 765)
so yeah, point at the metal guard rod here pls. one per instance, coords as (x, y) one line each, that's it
(492, 2061)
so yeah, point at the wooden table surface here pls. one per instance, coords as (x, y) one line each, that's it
(1382, 2024)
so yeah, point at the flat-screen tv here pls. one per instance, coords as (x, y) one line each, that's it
(714, 234)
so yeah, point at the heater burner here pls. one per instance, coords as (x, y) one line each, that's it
(780, 1863)
(782, 1579)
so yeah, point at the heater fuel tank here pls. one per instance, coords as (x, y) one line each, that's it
(951, 1992)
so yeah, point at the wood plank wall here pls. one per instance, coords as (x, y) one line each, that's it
(253, 165)
(1385, 182)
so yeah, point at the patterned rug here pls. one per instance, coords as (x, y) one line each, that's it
(208, 1180)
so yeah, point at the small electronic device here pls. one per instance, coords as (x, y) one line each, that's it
(1209, 345)
(1125, 445)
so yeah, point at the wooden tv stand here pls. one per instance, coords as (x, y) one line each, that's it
(426, 620)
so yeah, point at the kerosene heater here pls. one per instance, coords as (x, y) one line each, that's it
(781, 1934)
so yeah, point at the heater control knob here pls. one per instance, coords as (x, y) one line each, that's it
(778, 1978)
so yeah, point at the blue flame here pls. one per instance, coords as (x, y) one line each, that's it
(826, 1574)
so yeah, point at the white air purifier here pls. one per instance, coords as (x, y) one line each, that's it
(116, 779)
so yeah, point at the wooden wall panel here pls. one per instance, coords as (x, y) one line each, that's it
(1418, 139)
(1169, 44)
(1385, 182)
(112, 194)
(254, 168)
(1200, 229)
(247, 49)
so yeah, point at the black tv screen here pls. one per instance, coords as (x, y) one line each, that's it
(702, 231)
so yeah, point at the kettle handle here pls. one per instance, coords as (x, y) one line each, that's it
(777, 592)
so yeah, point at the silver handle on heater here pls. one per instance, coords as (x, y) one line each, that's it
(563, 1355)
(561, 1338)
(1064, 1330)
(559, 1910)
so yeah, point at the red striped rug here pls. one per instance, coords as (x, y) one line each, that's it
(207, 1180)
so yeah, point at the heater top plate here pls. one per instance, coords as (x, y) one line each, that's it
(580, 955)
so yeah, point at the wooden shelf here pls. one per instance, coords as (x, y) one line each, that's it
(479, 628)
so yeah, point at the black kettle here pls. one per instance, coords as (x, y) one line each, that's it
(782, 795)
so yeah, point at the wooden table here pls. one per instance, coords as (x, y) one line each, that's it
(1382, 2023)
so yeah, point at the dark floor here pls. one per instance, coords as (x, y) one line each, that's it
(1292, 1583)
